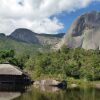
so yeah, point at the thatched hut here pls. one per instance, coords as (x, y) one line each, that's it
(10, 74)
(9, 95)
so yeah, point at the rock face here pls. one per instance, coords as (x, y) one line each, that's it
(28, 36)
(24, 35)
(84, 32)
(47, 40)
(47, 82)
(54, 83)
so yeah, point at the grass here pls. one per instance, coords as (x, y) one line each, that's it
(20, 47)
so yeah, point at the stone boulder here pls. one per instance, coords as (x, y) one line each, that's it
(54, 83)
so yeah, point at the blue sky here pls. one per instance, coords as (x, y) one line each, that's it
(68, 18)
(42, 16)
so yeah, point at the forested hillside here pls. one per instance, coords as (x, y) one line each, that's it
(20, 47)
(77, 63)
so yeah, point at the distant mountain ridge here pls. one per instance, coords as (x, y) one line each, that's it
(84, 32)
(28, 36)
(24, 35)
(25, 41)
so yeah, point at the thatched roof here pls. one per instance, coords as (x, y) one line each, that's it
(7, 69)
(9, 95)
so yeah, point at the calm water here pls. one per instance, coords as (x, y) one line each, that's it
(51, 93)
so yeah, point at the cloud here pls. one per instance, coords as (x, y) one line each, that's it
(47, 25)
(35, 14)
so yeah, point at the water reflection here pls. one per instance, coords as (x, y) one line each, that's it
(12, 88)
(10, 92)
(46, 88)
(67, 94)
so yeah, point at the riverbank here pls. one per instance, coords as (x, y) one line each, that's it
(82, 83)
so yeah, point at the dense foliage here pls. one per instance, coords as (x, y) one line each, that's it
(6, 56)
(77, 63)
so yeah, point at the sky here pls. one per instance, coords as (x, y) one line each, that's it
(42, 16)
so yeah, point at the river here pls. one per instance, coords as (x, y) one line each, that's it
(49, 93)
(53, 93)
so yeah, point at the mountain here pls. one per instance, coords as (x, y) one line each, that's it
(2, 35)
(6, 43)
(24, 35)
(25, 41)
(28, 36)
(84, 32)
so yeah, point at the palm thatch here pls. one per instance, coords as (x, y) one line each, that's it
(9, 95)
(7, 69)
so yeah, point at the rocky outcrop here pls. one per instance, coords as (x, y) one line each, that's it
(55, 83)
(46, 40)
(84, 32)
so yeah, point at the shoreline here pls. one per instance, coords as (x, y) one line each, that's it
(71, 82)
(75, 82)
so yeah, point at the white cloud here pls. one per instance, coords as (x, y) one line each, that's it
(35, 14)
(6, 26)
(47, 25)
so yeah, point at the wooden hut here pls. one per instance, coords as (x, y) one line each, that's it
(10, 74)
